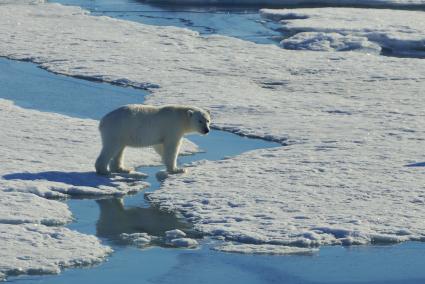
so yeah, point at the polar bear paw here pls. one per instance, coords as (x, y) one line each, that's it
(162, 175)
(177, 171)
(123, 170)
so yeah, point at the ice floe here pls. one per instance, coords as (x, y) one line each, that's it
(306, 202)
(176, 233)
(137, 239)
(346, 29)
(21, 2)
(173, 238)
(182, 243)
(20, 208)
(320, 41)
(38, 249)
(177, 238)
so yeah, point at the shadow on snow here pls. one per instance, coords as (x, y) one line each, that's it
(90, 179)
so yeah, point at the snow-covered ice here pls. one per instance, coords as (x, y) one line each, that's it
(177, 238)
(325, 200)
(137, 239)
(183, 243)
(21, 2)
(38, 249)
(320, 41)
(174, 238)
(19, 208)
(352, 121)
(345, 29)
(174, 234)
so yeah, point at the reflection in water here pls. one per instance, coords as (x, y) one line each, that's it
(115, 219)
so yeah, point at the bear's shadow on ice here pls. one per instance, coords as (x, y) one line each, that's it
(90, 179)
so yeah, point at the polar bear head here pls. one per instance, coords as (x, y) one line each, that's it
(199, 120)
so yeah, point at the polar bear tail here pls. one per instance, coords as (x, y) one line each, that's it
(103, 121)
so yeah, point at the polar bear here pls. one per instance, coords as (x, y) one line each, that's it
(140, 125)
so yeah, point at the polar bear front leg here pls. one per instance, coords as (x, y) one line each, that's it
(171, 149)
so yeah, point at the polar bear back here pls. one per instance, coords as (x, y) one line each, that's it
(140, 125)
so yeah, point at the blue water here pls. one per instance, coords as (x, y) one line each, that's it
(386, 265)
(30, 87)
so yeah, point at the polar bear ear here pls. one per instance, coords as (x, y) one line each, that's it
(190, 113)
(208, 111)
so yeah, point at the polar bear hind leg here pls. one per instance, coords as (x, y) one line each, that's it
(117, 163)
(107, 153)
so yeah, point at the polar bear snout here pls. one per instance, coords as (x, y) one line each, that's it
(206, 131)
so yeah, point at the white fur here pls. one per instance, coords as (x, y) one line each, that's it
(142, 126)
